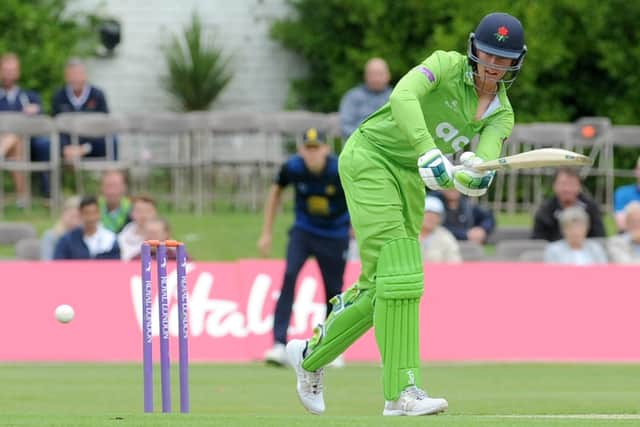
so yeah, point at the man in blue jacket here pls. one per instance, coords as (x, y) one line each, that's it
(465, 219)
(89, 241)
(78, 96)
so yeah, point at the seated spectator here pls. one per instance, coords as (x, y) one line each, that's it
(465, 219)
(567, 191)
(361, 101)
(14, 98)
(78, 96)
(625, 195)
(143, 209)
(89, 241)
(115, 207)
(69, 219)
(574, 248)
(625, 248)
(159, 229)
(438, 244)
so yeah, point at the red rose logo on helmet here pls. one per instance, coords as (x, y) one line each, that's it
(502, 34)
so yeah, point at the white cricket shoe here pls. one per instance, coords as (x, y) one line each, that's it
(309, 385)
(413, 401)
(277, 355)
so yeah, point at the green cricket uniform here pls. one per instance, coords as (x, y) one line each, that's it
(433, 106)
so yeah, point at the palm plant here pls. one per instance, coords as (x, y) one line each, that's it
(197, 71)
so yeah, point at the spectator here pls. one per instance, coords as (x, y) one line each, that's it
(567, 193)
(438, 244)
(14, 98)
(625, 248)
(359, 102)
(321, 228)
(78, 96)
(89, 241)
(574, 248)
(143, 209)
(159, 229)
(69, 219)
(625, 195)
(465, 219)
(115, 207)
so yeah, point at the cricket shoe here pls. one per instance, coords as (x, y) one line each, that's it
(277, 355)
(309, 384)
(414, 401)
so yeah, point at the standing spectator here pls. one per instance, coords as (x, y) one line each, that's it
(465, 219)
(567, 191)
(625, 195)
(574, 248)
(115, 207)
(438, 244)
(625, 248)
(321, 228)
(78, 96)
(89, 241)
(69, 219)
(14, 98)
(143, 210)
(358, 103)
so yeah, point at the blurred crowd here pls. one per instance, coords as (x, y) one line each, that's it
(108, 226)
(76, 95)
(112, 224)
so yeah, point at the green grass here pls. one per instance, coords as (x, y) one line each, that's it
(251, 395)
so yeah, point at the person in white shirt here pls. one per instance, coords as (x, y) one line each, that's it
(143, 209)
(438, 244)
(574, 248)
(89, 241)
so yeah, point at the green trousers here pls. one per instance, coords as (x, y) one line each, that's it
(386, 204)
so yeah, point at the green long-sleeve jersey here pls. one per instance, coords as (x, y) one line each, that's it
(434, 105)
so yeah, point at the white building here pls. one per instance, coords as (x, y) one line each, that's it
(262, 68)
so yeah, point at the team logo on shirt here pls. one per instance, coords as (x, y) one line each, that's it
(427, 72)
(330, 190)
(453, 104)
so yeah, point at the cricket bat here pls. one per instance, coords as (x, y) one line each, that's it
(540, 158)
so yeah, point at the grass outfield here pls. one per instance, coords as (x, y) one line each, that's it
(72, 395)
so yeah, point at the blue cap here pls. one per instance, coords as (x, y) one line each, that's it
(313, 136)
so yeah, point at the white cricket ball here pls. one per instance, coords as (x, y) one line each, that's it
(64, 313)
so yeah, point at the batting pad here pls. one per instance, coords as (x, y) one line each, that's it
(399, 286)
(351, 316)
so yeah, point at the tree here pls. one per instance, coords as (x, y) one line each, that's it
(197, 71)
(44, 34)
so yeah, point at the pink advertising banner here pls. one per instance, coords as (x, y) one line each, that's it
(469, 312)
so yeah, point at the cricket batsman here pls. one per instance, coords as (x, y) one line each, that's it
(435, 109)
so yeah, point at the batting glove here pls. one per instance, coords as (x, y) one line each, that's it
(469, 181)
(436, 170)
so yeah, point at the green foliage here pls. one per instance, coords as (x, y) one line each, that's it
(197, 70)
(583, 54)
(44, 34)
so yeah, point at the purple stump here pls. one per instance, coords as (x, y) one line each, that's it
(163, 296)
(147, 330)
(183, 327)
